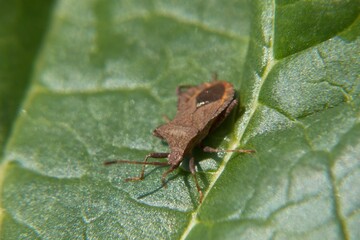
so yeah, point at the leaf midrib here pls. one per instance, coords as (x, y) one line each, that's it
(245, 119)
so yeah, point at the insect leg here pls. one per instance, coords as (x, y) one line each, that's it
(166, 118)
(150, 155)
(214, 76)
(163, 177)
(214, 150)
(179, 89)
(193, 172)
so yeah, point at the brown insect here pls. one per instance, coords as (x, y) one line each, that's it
(200, 109)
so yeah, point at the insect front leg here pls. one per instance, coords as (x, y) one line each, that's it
(150, 155)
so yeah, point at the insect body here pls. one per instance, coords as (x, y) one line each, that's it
(200, 109)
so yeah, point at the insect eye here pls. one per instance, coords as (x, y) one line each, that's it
(209, 95)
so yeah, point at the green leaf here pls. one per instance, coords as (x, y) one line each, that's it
(106, 74)
(22, 26)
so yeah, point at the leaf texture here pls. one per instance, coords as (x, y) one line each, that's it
(105, 75)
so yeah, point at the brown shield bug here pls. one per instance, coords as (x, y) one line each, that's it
(200, 109)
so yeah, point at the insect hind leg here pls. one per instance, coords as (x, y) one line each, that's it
(180, 89)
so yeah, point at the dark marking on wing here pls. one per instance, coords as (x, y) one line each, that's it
(211, 94)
